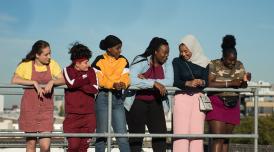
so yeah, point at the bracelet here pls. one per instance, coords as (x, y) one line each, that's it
(204, 83)
(226, 84)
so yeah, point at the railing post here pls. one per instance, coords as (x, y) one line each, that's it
(256, 119)
(66, 144)
(109, 120)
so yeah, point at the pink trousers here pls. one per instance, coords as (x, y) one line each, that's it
(187, 119)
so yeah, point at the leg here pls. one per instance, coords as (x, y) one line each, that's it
(181, 120)
(229, 129)
(102, 120)
(31, 144)
(72, 124)
(119, 123)
(196, 125)
(136, 118)
(156, 123)
(44, 144)
(89, 124)
(217, 127)
(73, 144)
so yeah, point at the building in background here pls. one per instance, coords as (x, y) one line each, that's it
(266, 102)
(1, 103)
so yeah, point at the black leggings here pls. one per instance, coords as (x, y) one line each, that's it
(148, 113)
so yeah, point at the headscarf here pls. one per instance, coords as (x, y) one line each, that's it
(195, 48)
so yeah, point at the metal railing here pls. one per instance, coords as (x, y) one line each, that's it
(109, 135)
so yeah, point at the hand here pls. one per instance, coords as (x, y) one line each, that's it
(141, 76)
(247, 76)
(39, 90)
(48, 87)
(161, 88)
(200, 82)
(235, 83)
(193, 83)
(123, 85)
(117, 86)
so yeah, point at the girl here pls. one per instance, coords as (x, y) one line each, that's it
(151, 73)
(190, 75)
(36, 109)
(113, 75)
(79, 97)
(227, 72)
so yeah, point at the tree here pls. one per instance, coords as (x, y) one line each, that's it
(265, 128)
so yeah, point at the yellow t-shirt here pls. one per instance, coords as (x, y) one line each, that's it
(24, 69)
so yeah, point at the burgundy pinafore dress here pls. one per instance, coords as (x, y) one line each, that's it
(36, 114)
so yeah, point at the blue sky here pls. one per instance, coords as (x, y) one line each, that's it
(136, 22)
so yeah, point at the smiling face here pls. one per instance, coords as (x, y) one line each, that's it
(161, 54)
(115, 51)
(185, 52)
(45, 56)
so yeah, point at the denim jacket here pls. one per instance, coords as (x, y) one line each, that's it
(141, 66)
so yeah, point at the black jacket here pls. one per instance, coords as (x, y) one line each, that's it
(183, 74)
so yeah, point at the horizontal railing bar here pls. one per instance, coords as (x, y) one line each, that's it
(128, 135)
(170, 88)
(3, 85)
(21, 93)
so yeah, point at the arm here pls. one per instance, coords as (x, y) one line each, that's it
(216, 84)
(92, 87)
(125, 76)
(16, 79)
(205, 76)
(104, 81)
(57, 81)
(178, 82)
(245, 76)
(74, 82)
(169, 75)
(137, 69)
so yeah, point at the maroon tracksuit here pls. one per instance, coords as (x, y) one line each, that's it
(79, 106)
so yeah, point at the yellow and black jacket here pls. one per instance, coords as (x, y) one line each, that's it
(110, 70)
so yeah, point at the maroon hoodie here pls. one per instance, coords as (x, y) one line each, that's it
(81, 89)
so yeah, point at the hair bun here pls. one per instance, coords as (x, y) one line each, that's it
(103, 45)
(229, 41)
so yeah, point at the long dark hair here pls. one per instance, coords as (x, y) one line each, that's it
(228, 45)
(153, 46)
(36, 49)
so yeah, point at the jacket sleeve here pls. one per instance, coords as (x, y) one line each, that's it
(75, 82)
(125, 75)
(92, 87)
(205, 75)
(103, 81)
(178, 82)
(137, 69)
